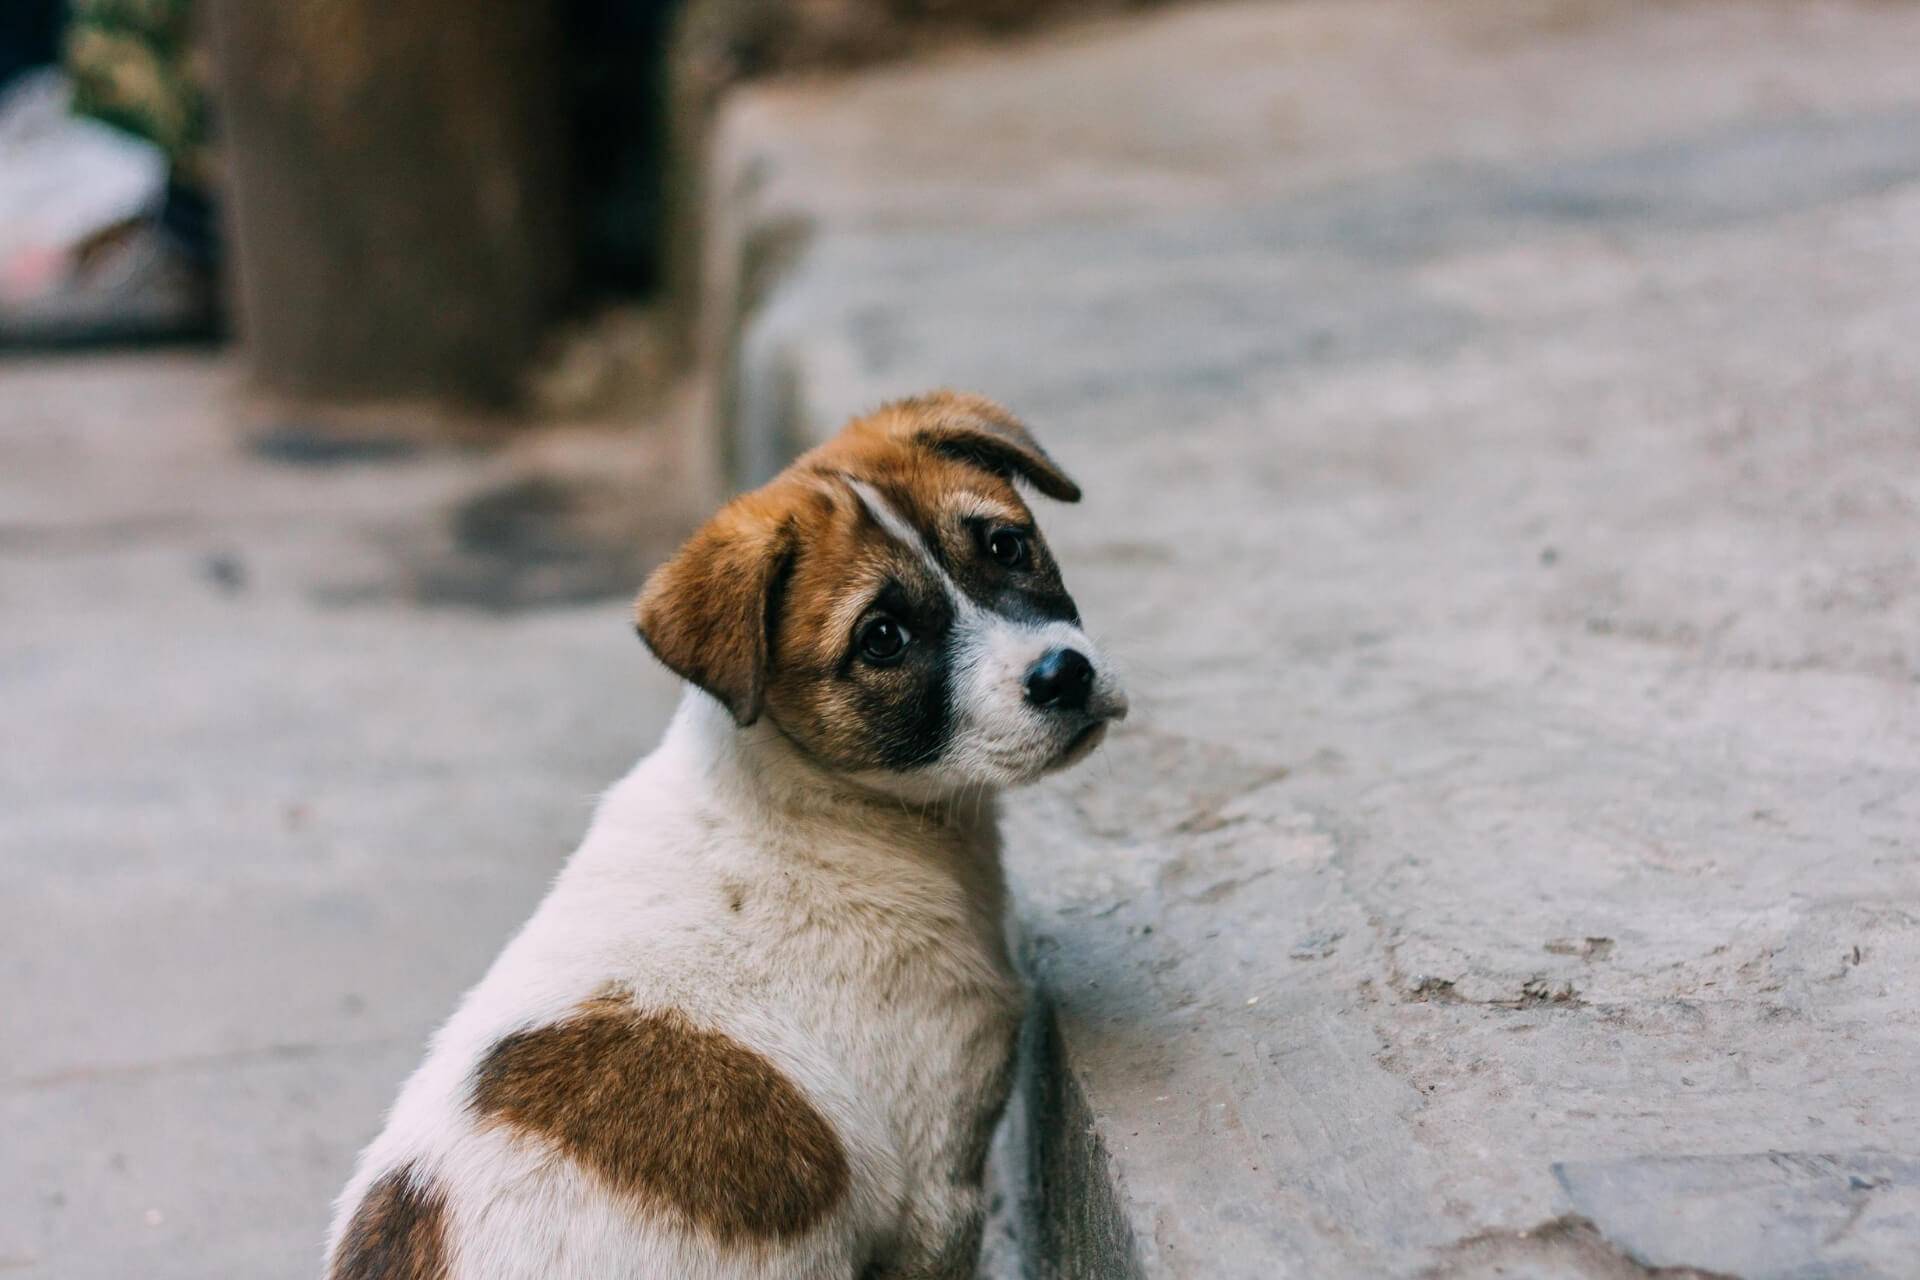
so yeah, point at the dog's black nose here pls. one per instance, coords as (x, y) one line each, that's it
(1061, 680)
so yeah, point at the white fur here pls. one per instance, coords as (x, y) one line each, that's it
(868, 964)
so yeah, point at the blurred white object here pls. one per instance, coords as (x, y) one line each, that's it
(61, 176)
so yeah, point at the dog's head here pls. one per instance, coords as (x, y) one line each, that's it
(889, 604)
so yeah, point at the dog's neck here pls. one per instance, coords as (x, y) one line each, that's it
(760, 765)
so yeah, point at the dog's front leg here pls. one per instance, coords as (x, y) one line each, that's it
(941, 1240)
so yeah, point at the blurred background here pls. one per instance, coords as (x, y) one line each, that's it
(1500, 421)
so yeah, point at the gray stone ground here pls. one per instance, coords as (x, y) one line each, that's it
(293, 741)
(1501, 427)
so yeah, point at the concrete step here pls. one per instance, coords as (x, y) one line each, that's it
(1498, 426)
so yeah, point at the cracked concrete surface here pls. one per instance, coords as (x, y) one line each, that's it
(1501, 431)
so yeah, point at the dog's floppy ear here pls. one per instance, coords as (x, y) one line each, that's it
(708, 613)
(976, 431)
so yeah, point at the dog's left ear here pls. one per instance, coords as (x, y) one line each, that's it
(975, 430)
(708, 613)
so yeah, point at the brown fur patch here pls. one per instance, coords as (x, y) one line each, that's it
(397, 1233)
(978, 432)
(671, 1115)
(707, 612)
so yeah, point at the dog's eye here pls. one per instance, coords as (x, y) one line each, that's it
(882, 641)
(1008, 546)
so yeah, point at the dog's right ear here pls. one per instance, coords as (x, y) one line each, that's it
(708, 613)
(978, 432)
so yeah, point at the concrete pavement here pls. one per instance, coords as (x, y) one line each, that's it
(296, 735)
(1501, 431)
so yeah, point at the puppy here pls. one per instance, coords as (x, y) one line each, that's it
(763, 1024)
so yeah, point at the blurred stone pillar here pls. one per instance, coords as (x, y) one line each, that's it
(397, 187)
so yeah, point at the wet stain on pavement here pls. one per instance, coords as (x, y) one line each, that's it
(299, 445)
(528, 543)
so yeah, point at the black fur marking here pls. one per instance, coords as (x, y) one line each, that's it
(910, 708)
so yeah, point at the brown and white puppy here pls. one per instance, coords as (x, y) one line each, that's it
(763, 1024)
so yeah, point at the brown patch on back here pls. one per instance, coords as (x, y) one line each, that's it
(671, 1115)
(397, 1233)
